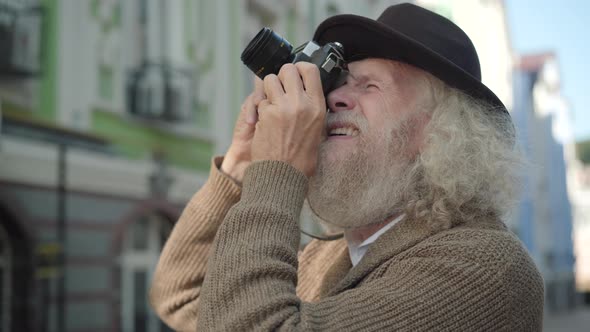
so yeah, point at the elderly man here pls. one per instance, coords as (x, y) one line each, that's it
(414, 161)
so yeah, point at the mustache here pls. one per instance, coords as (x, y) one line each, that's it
(352, 118)
(399, 127)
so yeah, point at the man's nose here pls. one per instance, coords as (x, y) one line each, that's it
(340, 100)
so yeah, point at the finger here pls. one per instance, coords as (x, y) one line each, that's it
(263, 104)
(289, 76)
(249, 109)
(263, 107)
(311, 79)
(258, 92)
(273, 87)
(250, 112)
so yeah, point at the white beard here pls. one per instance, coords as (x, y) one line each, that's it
(366, 186)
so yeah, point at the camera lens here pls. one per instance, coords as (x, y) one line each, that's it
(266, 53)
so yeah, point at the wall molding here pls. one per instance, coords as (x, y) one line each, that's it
(35, 163)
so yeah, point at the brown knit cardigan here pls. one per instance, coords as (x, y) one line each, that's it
(231, 264)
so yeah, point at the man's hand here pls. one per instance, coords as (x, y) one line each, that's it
(291, 119)
(239, 154)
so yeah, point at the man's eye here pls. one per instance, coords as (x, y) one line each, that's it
(371, 86)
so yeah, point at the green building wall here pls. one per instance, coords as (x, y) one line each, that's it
(126, 138)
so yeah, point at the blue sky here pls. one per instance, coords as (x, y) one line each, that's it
(561, 27)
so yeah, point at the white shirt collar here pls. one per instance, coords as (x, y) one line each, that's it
(357, 251)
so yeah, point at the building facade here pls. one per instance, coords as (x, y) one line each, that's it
(544, 216)
(579, 187)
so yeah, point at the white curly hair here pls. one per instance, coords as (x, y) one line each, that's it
(469, 167)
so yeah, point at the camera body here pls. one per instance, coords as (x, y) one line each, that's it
(267, 52)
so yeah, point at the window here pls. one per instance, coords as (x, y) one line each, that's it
(160, 84)
(142, 245)
(20, 37)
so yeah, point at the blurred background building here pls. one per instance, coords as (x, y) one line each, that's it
(111, 111)
(544, 217)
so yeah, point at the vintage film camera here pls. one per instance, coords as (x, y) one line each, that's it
(267, 52)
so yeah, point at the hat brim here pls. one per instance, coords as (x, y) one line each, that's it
(365, 38)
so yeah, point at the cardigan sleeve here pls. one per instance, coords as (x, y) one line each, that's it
(252, 276)
(179, 274)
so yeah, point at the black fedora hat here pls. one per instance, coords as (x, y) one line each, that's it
(416, 36)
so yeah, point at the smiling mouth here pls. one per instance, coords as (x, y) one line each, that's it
(343, 132)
